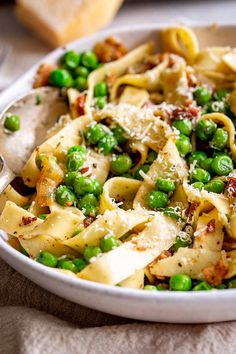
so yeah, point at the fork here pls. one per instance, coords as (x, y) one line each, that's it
(4, 52)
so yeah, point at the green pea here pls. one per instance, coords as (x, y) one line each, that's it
(202, 96)
(77, 148)
(88, 204)
(75, 161)
(71, 59)
(231, 284)
(121, 164)
(183, 145)
(83, 185)
(221, 94)
(23, 251)
(222, 165)
(81, 83)
(42, 216)
(215, 186)
(120, 134)
(81, 71)
(107, 144)
(68, 265)
(96, 132)
(180, 242)
(144, 168)
(202, 286)
(79, 263)
(200, 175)
(12, 122)
(205, 129)
(26, 206)
(152, 155)
(150, 287)
(184, 126)
(108, 243)
(91, 252)
(64, 196)
(100, 102)
(70, 178)
(157, 199)
(97, 187)
(48, 259)
(180, 282)
(220, 139)
(61, 78)
(206, 164)
(100, 89)
(89, 60)
(197, 156)
(165, 185)
(198, 185)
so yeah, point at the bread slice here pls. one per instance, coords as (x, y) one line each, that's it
(60, 21)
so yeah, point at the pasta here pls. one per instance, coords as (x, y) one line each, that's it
(136, 186)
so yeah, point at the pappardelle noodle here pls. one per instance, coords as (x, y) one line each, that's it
(136, 185)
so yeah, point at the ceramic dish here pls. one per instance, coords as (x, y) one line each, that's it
(189, 307)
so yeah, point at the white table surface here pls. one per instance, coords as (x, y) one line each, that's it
(27, 49)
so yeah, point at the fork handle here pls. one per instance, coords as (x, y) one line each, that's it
(6, 175)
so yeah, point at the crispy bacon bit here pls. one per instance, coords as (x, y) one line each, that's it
(84, 170)
(109, 50)
(190, 210)
(214, 274)
(26, 220)
(80, 105)
(42, 75)
(88, 221)
(211, 226)
(189, 112)
(231, 187)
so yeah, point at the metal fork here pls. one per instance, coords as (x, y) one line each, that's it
(4, 51)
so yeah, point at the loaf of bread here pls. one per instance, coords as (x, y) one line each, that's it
(60, 21)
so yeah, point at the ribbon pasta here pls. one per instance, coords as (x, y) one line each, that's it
(136, 184)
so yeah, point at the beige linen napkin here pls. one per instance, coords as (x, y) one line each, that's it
(34, 321)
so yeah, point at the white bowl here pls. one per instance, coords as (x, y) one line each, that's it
(162, 306)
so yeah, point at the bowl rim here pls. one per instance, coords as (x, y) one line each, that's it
(100, 288)
(111, 290)
(55, 53)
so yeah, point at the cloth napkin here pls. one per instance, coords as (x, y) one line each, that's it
(34, 321)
